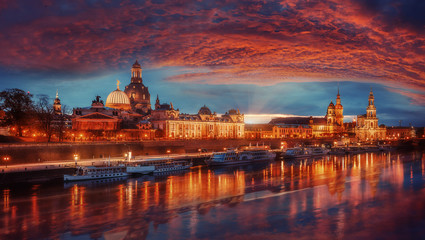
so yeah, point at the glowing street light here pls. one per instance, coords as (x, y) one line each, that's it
(75, 159)
(168, 152)
(6, 159)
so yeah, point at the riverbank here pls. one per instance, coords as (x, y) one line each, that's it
(42, 152)
(19, 153)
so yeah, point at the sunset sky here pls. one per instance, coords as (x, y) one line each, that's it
(263, 57)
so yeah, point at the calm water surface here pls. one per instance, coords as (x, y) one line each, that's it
(374, 195)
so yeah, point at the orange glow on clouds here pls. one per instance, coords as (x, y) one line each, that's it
(228, 42)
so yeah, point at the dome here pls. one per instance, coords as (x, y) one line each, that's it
(204, 111)
(119, 100)
(331, 105)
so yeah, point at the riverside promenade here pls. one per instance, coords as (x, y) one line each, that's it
(61, 164)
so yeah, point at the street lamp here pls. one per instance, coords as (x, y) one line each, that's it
(75, 159)
(6, 159)
(168, 152)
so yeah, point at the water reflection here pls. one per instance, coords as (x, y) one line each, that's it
(330, 197)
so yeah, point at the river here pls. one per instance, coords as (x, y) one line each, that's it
(369, 195)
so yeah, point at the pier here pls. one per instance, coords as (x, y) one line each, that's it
(54, 170)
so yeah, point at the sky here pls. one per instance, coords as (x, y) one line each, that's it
(266, 58)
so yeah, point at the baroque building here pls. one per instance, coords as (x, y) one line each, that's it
(57, 107)
(137, 92)
(319, 127)
(127, 115)
(367, 128)
(171, 124)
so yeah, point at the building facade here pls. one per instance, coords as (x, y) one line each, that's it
(171, 124)
(396, 133)
(258, 131)
(292, 131)
(367, 128)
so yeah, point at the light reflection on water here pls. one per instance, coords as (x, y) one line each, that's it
(367, 195)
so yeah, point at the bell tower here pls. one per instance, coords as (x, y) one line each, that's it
(57, 107)
(339, 109)
(137, 92)
(371, 109)
(136, 73)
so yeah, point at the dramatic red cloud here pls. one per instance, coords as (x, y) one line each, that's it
(225, 42)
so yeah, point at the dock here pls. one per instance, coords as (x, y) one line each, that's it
(54, 170)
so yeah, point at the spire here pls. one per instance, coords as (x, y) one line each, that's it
(57, 95)
(171, 106)
(118, 84)
(338, 90)
(136, 64)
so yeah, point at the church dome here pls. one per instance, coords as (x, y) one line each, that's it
(118, 100)
(204, 111)
(331, 105)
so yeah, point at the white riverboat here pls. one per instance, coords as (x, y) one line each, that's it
(161, 165)
(94, 172)
(305, 152)
(244, 156)
(140, 169)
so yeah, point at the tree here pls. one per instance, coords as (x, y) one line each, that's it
(60, 123)
(45, 116)
(17, 105)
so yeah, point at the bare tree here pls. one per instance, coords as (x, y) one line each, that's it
(45, 116)
(17, 105)
(60, 123)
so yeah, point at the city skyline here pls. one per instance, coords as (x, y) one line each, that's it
(263, 58)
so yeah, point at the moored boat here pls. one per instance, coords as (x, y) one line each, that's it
(94, 172)
(140, 169)
(305, 152)
(164, 164)
(244, 156)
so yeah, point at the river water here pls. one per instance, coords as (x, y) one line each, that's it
(369, 195)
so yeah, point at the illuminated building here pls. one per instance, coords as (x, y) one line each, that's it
(171, 124)
(328, 126)
(400, 132)
(367, 128)
(258, 131)
(123, 115)
(118, 99)
(137, 92)
(57, 107)
(292, 131)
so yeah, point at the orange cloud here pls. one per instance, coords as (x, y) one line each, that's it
(229, 42)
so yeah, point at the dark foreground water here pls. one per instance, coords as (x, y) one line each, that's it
(379, 195)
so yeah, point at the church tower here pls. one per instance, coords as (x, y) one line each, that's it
(57, 107)
(138, 93)
(157, 103)
(339, 109)
(330, 114)
(371, 109)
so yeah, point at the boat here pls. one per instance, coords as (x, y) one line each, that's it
(305, 152)
(135, 169)
(161, 165)
(244, 156)
(317, 151)
(95, 172)
(295, 153)
(170, 165)
(338, 151)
